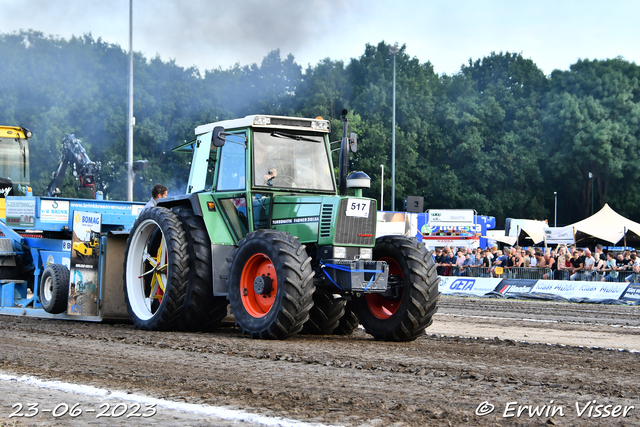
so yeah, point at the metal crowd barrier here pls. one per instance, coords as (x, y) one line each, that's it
(536, 273)
(511, 273)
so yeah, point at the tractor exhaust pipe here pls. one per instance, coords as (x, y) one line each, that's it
(344, 155)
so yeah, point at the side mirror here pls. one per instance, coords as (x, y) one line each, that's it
(218, 136)
(353, 142)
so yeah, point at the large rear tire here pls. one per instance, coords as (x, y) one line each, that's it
(54, 289)
(406, 317)
(270, 284)
(325, 314)
(202, 311)
(156, 270)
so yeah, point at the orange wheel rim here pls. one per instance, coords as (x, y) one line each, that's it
(258, 285)
(381, 307)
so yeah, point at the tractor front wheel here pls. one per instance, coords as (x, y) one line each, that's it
(270, 284)
(413, 273)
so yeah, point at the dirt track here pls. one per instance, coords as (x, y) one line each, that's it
(439, 379)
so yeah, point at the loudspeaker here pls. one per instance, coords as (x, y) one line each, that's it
(414, 204)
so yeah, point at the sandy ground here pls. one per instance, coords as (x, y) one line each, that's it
(547, 361)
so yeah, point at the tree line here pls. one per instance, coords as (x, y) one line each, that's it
(499, 136)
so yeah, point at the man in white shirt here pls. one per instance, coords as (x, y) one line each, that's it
(589, 262)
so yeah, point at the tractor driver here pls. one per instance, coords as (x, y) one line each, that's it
(264, 166)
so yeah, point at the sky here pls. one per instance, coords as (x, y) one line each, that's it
(213, 34)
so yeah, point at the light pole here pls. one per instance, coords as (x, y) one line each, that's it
(393, 50)
(591, 178)
(130, 118)
(382, 189)
(555, 217)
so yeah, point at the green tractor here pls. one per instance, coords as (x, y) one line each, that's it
(265, 228)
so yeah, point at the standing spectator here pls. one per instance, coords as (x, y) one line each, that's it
(448, 261)
(472, 255)
(459, 261)
(493, 253)
(486, 263)
(577, 266)
(552, 264)
(437, 258)
(497, 262)
(526, 262)
(466, 269)
(600, 253)
(635, 268)
(561, 271)
(611, 267)
(599, 266)
(589, 262)
(622, 264)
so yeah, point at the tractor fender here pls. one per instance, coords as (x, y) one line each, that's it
(190, 200)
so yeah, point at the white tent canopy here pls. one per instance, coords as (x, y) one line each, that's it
(606, 225)
(533, 229)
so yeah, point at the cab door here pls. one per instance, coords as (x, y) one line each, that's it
(231, 184)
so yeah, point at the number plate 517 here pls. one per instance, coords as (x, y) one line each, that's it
(358, 207)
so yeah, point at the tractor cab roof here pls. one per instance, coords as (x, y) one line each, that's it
(265, 121)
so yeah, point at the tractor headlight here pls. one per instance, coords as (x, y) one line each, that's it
(261, 120)
(366, 253)
(320, 125)
(339, 252)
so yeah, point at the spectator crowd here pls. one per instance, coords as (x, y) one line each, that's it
(561, 263)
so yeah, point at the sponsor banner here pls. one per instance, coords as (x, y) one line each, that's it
(515, 286)
(21, 212)
(54, 211)
(109, 207)
(458, 242)
(632, 293)
(600, 290)
(451, 216)
(579, 289)
(83, 272)
(471, 285)
(563, 288)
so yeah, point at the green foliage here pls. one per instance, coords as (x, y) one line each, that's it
(498, 137)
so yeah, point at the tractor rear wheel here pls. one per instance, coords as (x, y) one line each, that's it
(201, 311)
(270, 284)
(156, 270)
(325, 314)
(412, 269)
(54, 289)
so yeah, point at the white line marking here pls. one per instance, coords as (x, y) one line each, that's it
(218, 411)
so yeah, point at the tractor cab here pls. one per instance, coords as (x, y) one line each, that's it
(256, 159)
(14, 160)
(14, 163)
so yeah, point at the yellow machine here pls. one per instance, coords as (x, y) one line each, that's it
(14, 163)
(87, 249)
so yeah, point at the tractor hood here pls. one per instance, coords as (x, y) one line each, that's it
(330, 220)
